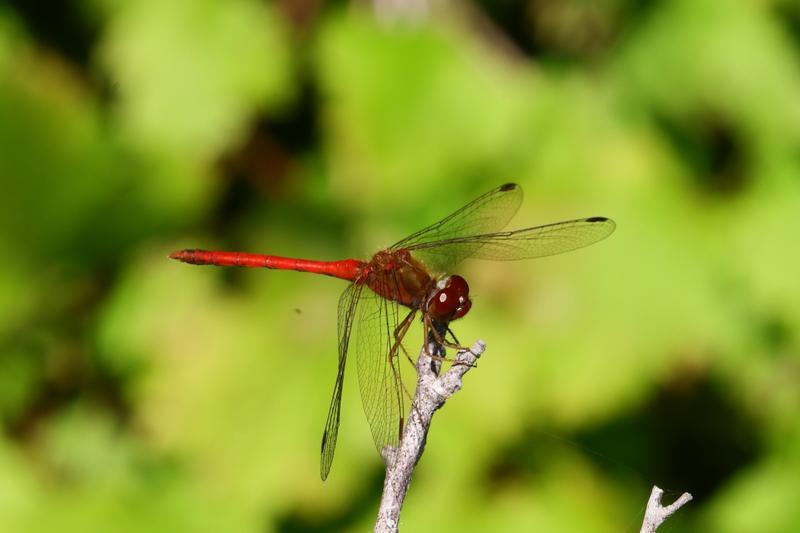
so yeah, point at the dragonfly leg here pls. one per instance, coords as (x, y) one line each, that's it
(452, 361)
(456, 344)
(400, 333)
(439, 339)
(408, 357)
(398, 379)
(393, 356)
(455, 339)
(457, 347)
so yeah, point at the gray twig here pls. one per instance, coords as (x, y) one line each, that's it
(433, 390)
(656, 514)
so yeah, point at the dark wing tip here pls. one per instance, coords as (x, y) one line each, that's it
(604, 224)
(508, 187)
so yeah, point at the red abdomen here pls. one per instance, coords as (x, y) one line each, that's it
(348, 269)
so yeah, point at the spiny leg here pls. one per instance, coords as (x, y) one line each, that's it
(450, 331)
(393, 356)
(455, 345)
(439, 339)
(392, 360)
(408, 357)
(400, 333)
(401, 347)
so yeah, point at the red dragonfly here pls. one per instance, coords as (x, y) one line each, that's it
(413, 274)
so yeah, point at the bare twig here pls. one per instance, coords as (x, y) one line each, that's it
(656, 514)
(432, 392)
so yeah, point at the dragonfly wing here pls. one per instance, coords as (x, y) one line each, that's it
(488, 213)
(528, 243)
(378, 355)
(348, 303)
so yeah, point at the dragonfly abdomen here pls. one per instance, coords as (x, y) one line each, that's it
(348, 269)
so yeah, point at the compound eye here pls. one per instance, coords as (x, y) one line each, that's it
(463, 309)
(458, 286)
(453, 301)
(444, 303)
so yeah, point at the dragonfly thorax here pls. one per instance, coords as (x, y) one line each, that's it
(396, 275)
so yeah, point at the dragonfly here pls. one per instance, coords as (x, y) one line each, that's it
(410, 278)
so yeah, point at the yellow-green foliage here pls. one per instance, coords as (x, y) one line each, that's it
(139, 394)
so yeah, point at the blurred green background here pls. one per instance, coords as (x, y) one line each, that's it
(139, 394)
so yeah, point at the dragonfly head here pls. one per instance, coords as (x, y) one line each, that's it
(451, 300)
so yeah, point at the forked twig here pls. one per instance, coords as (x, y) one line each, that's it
(656, 514)
(432, 392)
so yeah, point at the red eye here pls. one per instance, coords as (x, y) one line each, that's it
(463, 310)
(452, 302)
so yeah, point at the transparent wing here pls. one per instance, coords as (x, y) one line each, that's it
(348, 303)
(528, 243)
(378, 356)
(488, 213)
